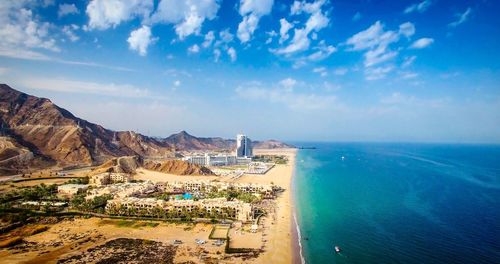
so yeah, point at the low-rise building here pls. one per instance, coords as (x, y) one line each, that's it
(205, 208)
(72, 189)
(121, 190)
(109, 177)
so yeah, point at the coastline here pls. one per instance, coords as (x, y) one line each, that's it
(298, 257)
(282, 244)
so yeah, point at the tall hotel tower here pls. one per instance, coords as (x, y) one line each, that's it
(243, 146)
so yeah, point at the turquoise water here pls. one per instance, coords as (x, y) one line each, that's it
(399, 203)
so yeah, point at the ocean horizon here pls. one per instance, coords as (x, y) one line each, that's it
(398, 202)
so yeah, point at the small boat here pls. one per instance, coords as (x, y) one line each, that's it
(343, 157)
(337, 249)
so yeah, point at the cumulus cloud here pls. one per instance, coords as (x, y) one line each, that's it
(252, 11)
(376, 41)
(68, 30)
(317, 20)
(418, 7)
(285, 26)
(422, 43)
(22, 33)
(226, 36)
(461, 18)
(232, 54)
(104, 14)
(140, 39)
(217, 54)
(67, 9)
(194, 49)
(187, 16)
(209, 39)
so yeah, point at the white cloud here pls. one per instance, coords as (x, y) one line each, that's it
(316, 21)
(321, 71)
(67, 9)
(140, 39)
(194, 49)
(22, 34)
(297, 101)
(461, 18)
(288, 84)
(217, 54)
(322, 52)
(340, 71)
(422, 43)
(372, 74)
(408, 61)
(187, 15)
(375, 40)
(104, 14)
(177, 83)
(232, 54)
(418, 7)
(407, 29)
(252, 11)
(68, 30)
(285, 26)
(226, 36)
(408, 75)
(84, 87)
(209, 39)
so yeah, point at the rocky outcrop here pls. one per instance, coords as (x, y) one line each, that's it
(127, 164)
(177, 167)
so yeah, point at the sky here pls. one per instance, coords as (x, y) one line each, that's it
(322, 70)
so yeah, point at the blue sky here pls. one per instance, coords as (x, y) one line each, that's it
(416, 70)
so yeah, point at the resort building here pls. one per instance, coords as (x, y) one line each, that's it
(243, 146)
(72, 189)
(206, 208)
(216, 160)
(122, 190)
(108, 178)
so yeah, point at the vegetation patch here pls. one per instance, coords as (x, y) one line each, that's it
(128, 223)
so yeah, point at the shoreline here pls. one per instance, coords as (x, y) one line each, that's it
(298, 257)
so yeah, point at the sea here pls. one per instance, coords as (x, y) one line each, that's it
(398, 203)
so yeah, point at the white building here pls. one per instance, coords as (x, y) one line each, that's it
(243, 146)
(72, 189)
(212, 159)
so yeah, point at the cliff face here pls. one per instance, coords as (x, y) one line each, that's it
(185, 141)
(177, 167)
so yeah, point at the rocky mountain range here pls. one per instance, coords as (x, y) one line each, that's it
(36, 133)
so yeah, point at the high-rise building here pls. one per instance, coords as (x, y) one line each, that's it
(243, 146)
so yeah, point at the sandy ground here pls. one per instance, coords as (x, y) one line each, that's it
(275, 234)
(73, 236)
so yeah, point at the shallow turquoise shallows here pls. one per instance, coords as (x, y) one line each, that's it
(399, 203)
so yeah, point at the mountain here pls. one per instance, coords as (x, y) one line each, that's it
(48, 131)
(36, 133)
(271, 144)
(185, 141)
